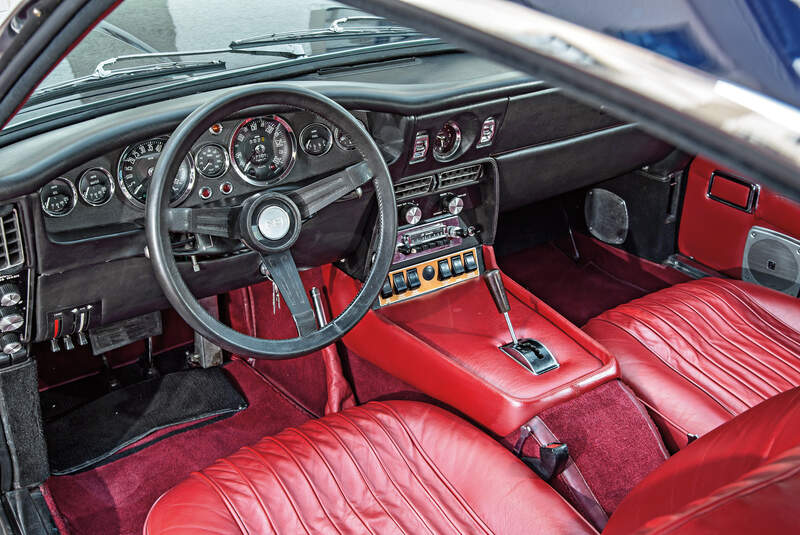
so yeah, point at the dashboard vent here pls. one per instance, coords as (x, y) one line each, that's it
(413, 187)
(11, 253)
(457, 177)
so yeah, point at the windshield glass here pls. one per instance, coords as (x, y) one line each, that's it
(153, 26)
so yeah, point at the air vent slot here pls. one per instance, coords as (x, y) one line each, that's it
(458, 177)
(413, 187)
(11, 253)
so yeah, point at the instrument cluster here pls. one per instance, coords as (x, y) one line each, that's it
(233, 156)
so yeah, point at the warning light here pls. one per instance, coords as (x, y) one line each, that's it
(216, 129)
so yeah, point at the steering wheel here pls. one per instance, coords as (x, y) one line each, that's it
(269, 223)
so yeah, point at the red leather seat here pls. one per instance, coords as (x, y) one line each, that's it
(743, 477)
(406, 467)
(394, 467)
(701, 352)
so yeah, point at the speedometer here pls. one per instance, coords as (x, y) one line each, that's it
(263, 149)
(135, 171)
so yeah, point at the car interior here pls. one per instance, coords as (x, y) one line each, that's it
(427, 295)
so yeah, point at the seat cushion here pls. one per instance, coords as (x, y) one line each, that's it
(701, 352)
(391, 467)
(743, 477)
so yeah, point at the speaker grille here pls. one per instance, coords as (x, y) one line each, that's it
(772, 259)
(773, 264)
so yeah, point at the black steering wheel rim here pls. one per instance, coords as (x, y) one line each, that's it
(156, 213)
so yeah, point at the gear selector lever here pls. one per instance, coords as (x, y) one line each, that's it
(498, 291)
(530, 353)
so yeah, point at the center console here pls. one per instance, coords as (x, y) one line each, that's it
(452, 345)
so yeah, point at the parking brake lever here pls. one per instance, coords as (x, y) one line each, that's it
(495, 283)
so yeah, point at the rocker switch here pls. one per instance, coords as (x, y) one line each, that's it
(458, 265)
(469, 262)
(386, 290)
(444, 270)
(399, 283)
(412, 275)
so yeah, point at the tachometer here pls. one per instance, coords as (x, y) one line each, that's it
(263, 149)
(136, 168)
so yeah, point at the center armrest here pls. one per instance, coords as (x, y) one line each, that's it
(446, 344)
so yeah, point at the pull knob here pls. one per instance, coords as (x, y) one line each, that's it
(11, 319)
(452, 204)
(9, 295)
(498, 291)
(10, 343)
(411, 214)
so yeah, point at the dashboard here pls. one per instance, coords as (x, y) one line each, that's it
(464, 140)
(233, 158)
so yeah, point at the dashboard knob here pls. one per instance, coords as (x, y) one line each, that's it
(10, 343)
(453, 204)
(9, 295)
(11, 319)
(411, 214)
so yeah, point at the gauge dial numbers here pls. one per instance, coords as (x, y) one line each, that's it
(211, 160)
(58, 198)
(263, 149)
(96, 187)
(135, 171)
(316, 139)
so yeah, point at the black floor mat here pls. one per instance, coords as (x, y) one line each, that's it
(100, 428)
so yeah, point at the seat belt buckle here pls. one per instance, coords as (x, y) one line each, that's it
(551, 462)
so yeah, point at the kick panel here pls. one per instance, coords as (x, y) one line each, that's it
(431, 275)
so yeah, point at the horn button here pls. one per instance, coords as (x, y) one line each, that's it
(270, 222)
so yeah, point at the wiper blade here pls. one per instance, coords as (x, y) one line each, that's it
(333, 32)
(103, 77)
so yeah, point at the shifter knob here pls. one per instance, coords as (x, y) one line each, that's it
(495, 283)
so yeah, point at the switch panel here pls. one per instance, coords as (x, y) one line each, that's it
(436, 273)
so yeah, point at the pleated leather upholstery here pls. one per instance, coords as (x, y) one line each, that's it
(704, 351)
(381, 468)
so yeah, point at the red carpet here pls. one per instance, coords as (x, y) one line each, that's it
(115, 498)
(603, 278)
(250, 311)
(611, 438)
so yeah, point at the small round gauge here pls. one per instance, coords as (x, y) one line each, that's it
(263, 149)
(447, 141)
(96, 186)
(211, 161)
(58, 197)
(316, 139)
(343, 139)
(136, 168)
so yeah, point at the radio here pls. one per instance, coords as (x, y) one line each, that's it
(432, 237)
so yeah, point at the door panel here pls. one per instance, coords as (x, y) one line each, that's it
(715, 220)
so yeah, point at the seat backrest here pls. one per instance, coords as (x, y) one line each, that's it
(743, 477)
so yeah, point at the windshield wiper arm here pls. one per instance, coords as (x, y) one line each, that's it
(101, 77)
(335, 31)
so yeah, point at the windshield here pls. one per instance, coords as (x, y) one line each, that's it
(146, 27)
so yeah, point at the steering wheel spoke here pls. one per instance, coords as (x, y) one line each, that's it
(284, 273)
(314, 197)
(218, 221)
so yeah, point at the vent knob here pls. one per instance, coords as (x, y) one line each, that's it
(11, 319)
(452, 204)
(10, 343)
(9, 295)
(411, 214)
